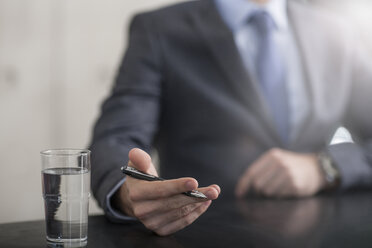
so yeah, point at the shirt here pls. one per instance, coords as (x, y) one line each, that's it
(236, 13)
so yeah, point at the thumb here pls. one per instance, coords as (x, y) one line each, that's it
(141, 160)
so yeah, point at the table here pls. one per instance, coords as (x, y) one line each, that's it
(321, 221)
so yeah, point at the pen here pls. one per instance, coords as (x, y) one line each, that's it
(132, 172)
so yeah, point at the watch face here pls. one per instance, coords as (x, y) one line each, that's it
(331, 173)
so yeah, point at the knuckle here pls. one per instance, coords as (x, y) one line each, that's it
(263, 192)
(184, 211)
(296, 187)
(162, 232)
(266, 192)
(151, 225)
(133, 195)
(139, 212)
(187, 221)
(256, 185)
(168, 205)
(291, 182)
(296, 191)
(284, 169)
(275, 153)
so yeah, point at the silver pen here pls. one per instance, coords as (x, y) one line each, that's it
(132, 172)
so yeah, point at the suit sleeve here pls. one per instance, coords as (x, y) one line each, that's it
(355, 159)
(129, 116)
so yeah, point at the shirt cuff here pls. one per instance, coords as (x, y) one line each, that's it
(112, 213)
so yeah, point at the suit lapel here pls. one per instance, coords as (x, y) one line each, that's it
(220, 41)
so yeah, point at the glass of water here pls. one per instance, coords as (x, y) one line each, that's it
(66, 190)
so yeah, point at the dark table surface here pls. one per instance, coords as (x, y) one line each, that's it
(321, 221)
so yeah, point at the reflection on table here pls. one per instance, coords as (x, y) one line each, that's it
(321, 221)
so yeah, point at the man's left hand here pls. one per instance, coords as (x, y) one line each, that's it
(281, 173)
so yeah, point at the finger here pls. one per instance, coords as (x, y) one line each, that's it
(275, 186)
(184, 221)
(286, 190)
(161, 189)
(151, 208)
(244, 182)
(217, 188)
(141, 161)
(264, 179)
(158, 221)
(212, 192)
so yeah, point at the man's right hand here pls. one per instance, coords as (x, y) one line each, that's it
(159, 205)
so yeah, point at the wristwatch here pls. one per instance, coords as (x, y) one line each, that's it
(330, 170)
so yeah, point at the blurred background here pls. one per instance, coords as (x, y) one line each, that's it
(58, 60)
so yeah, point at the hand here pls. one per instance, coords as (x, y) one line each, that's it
(159, 205)
(280, 173)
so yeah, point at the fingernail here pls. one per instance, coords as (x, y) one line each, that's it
(207, 203)
(218, 189)
(190, 185)
(209, 194)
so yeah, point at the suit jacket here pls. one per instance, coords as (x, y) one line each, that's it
(183, 89)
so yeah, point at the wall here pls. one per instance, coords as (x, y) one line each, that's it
(57, 62)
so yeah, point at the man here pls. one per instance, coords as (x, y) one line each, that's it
(243, 94)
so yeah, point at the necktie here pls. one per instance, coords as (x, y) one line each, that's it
(271, 73)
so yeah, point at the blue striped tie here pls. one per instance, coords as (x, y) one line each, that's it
(271, 72)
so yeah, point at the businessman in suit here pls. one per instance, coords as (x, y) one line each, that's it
(243, 96)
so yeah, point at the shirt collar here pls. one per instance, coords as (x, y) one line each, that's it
(236, 12)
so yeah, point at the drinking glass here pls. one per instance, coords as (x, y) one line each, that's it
(66, 190)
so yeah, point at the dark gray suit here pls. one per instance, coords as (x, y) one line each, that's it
(182, 88)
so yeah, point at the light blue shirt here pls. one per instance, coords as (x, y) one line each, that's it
(235, 13)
